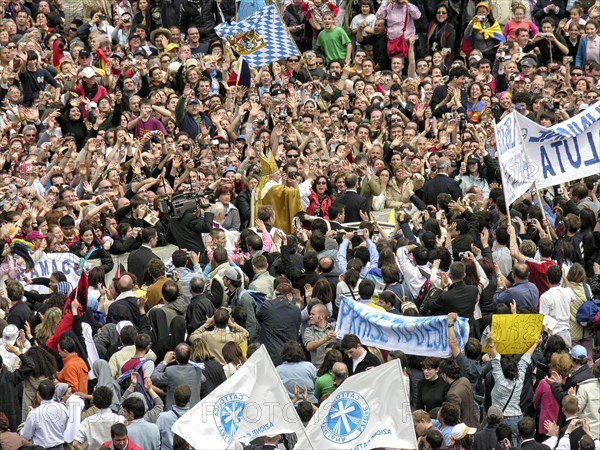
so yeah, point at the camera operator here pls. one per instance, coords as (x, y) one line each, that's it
(186, 231)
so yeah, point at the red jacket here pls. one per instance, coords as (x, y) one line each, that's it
(130, 445)
(315, 204)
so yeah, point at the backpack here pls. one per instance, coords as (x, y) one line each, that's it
(422, 295)
(124, 379)
(259, 298)
(588, 310)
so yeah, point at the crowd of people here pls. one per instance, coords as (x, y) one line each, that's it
(123, 130)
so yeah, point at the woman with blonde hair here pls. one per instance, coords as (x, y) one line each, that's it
(213, 371)
(401, 187)
(45, 330)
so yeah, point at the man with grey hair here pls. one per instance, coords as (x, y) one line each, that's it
(441, 184)
(200, 307)
(339, 373)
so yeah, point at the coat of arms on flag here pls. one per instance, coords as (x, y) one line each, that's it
(246, 43)
(260, 38)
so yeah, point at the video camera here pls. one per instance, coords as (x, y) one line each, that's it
(179, 204)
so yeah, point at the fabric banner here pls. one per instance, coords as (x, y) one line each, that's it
(67, 263)
(251, 403)
(569, 150)
(424, 336)
(261, 38)
(514, 167)
(366, 411)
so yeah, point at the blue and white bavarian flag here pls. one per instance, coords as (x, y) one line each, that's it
(261, 38)
(369, 410)
(251, 403)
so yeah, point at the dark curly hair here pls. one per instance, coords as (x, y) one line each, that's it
(328, 186)
(44, 362)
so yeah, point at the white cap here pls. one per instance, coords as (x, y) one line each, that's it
(88, 72)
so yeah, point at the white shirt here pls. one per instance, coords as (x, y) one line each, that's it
(412, 274)
(357, 361)
(46, 424)
(95, 429)
(556, 302)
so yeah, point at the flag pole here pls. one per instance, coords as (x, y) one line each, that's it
(502, 175)
(535, 182)
(293, 406)
(300, 55)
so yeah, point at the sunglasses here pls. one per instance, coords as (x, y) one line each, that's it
(293, 60)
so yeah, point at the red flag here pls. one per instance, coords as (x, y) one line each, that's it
(80, 292)
(66, 322)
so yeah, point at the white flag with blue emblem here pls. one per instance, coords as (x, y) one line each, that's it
(368, 410)
(261, 38)
(251, 403)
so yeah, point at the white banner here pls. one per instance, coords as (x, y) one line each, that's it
(514, 167)
(568, 151)
(66, 263)
(251, 403)
(425, 336)
(367, 411)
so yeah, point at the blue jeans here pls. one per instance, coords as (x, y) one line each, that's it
(513, 422)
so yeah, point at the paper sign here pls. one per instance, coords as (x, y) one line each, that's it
(515, 333)
(550, 322)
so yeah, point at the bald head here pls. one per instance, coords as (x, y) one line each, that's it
(521, 271)
(339, 372)
(125, 283)
(326, 264)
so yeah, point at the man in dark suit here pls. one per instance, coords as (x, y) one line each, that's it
(351, 201)
(441, 184)
(527, 433)
(336, 216)
(459, 298)
(555, 9)
(279, 319)
(127, 306)
(200, 307)
(445, 95)
(356, 357)
(270, 443)
(137, 261)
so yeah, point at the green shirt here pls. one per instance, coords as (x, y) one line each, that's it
(323, 386)
(333, 42)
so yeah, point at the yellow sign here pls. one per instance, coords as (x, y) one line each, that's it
(246, 43)
(515, 333)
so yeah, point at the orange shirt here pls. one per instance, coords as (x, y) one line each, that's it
(74, 373)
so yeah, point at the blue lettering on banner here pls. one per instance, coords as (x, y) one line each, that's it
(577, 162)
(595, 159)
(547, 169)
(556, 146)
(427, 336)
